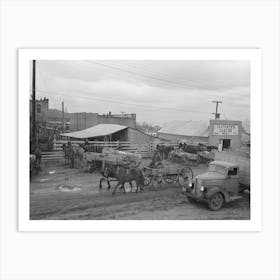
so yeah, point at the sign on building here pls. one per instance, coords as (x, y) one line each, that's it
(225, 129)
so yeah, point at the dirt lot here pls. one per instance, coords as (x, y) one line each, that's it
(59, 192)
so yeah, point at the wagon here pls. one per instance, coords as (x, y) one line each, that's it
(206, 156)
(166, 175)
(109, 156)
(187, 158)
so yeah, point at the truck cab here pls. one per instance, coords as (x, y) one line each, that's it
(218, 185)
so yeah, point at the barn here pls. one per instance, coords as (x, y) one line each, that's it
(111, 132)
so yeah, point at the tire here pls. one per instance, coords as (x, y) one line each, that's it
(159, 179)
(147, 180)
(186, 172)
(216, 201)
(182, 180)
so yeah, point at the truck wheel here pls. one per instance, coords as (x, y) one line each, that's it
(216, 201)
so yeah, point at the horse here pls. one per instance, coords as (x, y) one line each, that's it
(91, 163)
(122, 174)
(67, 153)
(164, 150)
(76, 152)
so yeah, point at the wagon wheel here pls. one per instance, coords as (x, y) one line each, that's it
(184, 175)
(159, 179)
(147, 180)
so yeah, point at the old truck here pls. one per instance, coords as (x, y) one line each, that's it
(222, 182)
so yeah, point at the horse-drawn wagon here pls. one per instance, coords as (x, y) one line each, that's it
(93, 160)
(163, 175)
(179, 155)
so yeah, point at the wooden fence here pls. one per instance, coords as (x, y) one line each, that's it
(145, 150)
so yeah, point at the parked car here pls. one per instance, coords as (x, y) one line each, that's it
(220, 184)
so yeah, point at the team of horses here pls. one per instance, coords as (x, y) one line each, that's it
(72, 153)
(122, 173)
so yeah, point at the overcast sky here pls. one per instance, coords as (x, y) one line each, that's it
(157, 91)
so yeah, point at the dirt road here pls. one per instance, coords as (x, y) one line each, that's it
(64, 193)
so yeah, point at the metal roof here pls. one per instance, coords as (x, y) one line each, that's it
(95, 131)
(186, 128)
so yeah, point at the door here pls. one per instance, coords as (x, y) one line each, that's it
(226, 144)
(232, 181)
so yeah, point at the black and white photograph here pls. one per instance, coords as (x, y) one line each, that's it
(139, 139)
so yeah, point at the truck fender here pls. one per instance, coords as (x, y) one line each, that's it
(214, 190)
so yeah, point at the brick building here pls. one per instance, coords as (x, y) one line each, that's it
(80, 121)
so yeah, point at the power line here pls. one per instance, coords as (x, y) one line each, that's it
(143, 75)
(123, 103)
(149, 72)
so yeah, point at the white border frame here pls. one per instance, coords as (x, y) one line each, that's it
(253, 55)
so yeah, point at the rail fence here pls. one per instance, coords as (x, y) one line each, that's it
(145, 150)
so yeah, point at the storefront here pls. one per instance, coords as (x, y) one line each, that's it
(225, 134)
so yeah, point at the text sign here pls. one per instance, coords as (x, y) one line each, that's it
(225, 129)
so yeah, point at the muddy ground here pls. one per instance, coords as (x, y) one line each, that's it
(59, 192)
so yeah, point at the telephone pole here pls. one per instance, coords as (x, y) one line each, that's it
(217, 115)
(63, 125)
(34, 138)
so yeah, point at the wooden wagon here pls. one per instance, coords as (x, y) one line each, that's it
(187, 158)
(166, 175)
(206, 156)
(93, 160)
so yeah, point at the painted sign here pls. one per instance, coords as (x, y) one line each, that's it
(225, 129)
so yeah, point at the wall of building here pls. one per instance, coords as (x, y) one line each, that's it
(120, 135)
(80, 121)
(138, 137)
(225, 129)
(129, 121)
(178, 138)
(42, 107)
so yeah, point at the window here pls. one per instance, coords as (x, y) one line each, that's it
(38, 108)
(232, 171)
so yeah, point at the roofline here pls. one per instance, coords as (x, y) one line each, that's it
(184, 135)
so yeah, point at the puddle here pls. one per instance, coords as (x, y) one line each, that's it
(68, 188)
(43, 180)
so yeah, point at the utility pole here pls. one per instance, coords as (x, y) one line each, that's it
(34, 138)
(217, 115)
(85, 115)
(63, 126)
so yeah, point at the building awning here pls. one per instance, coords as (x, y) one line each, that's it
(96, 131)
